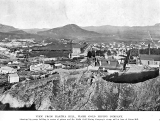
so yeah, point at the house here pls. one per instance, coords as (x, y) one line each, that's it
(12, 78)
(3, 49)
(59, 65)
(7, 70)
(150, 60)
(93, 68)
(120, 58)
(41, 67)
(110, 64)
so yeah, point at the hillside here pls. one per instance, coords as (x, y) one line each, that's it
(70, 31)
(6, 28)
(74, 90)
(34, 30)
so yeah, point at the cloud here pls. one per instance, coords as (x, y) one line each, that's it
(54, 13)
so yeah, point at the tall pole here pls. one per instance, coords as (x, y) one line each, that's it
(71, 48)
(149, 49)
(139, 56)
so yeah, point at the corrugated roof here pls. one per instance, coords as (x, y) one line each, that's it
(150, 57)
(76, 46)
(110, 65)
(54, 47)
(7, 68)
(13, 75)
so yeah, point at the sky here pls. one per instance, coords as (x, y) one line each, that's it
(25, 14)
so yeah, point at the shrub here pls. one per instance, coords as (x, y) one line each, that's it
(132, 77)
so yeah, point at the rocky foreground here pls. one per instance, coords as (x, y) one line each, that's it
(83, 90)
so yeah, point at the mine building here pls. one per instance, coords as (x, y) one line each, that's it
(76, 50)
(52, 50)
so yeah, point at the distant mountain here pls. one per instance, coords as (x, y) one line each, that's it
(70, 31)
(34, 30)
(15, 33)
(18, 32)
(126, 32)
(158, 24)
(107, 29)
(6, 28)
(104, 33)
(21, 35)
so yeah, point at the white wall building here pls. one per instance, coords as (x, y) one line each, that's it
(7, 70)
(41, 67)
(76, 50)
(13, 78)
(150, 60)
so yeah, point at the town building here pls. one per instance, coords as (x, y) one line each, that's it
(40, 67)
(76, 49)
(150, 60)
(7, 70)
(13, 78)
(111, 65)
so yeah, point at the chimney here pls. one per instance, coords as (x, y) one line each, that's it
(149, 49)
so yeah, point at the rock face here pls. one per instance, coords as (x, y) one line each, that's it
(83, 91)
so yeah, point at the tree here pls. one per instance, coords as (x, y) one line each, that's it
(126, 60)
(93, 53)
(108, 52)
(89, 54)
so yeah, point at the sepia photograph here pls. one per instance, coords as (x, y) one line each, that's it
(79, 55)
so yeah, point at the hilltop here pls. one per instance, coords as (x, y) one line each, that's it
(6, 28)
(70, 31)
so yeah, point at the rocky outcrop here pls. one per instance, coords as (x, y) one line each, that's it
(27, 93)
(83, 90)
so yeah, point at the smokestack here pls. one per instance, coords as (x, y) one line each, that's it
(71, 48)
(149, 49)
